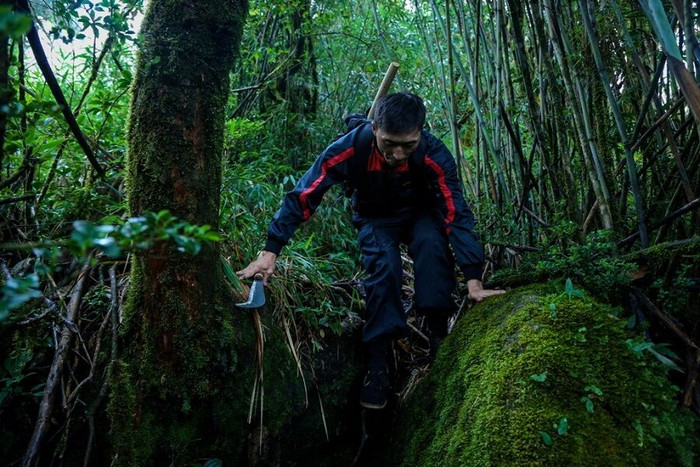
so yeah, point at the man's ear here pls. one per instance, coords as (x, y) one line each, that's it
(374, 128)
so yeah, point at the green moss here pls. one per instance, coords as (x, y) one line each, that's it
(482, 405)
(660, 254)
(202, 410)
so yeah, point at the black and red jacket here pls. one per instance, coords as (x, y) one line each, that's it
(427, 182)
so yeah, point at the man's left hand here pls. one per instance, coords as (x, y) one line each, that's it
(478, 293)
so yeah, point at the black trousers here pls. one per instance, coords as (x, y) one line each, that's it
(433, 265)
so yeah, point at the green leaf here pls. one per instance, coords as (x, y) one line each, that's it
(539, 378)
(546, 439)
(569, 287)
(231, 276)
(665, 360)
(563, 426)
(571, 291)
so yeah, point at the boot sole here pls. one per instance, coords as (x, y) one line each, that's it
(369, 405)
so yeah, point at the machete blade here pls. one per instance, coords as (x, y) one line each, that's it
(256, 297)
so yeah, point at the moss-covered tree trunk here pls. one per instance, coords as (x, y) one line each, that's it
(180, 345)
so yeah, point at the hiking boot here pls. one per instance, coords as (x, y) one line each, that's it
(375, 386)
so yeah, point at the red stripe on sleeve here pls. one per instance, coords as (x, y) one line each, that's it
(335, 160)
(446, 193)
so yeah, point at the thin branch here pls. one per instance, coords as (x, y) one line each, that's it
(668, 322)
(45, 66)
(32, 455)
(688, 207)
(113, 313)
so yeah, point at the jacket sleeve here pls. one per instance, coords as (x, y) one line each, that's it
(331, 167)
(458, 218)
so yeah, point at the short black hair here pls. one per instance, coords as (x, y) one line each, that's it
(400, 113)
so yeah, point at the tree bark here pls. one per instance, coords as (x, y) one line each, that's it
(180, 345)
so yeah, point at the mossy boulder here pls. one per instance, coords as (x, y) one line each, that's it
(542, 376)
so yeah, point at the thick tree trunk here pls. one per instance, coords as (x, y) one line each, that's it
(181, 346)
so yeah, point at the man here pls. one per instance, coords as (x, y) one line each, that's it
(406, 190)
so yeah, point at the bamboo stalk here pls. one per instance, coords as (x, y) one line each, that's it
(695, 204)
(650, 88)
(619, 122)
(582, 122)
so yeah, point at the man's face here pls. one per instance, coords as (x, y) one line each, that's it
(396, 148)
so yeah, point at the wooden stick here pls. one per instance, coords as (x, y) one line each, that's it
(384, 87)
(649, 305)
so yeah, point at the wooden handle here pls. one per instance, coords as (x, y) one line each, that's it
(384, 87)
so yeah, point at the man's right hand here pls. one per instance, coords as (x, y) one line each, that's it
(265, 265)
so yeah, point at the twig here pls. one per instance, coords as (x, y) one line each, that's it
(514, 247)
(589, 217)
(695, 204)
(247, 88)
(323, 414)
(644, 300)
(5, 270)
(297, 359)
(73, 394)
(363, 440)
(113, 313)
(51, 308)
(258, 394)
(31, 457)
(656, 125)
(417, 331)
(534, 216)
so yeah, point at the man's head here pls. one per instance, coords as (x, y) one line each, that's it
(398, 121)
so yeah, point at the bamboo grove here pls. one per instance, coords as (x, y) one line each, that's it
(587, 107)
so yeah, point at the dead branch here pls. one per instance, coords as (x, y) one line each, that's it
(17, 199)
(32, 456)
(670, 324)
(114, 316)
(50, 308)
(676, 105)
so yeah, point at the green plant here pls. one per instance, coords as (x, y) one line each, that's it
(110, 240)
(593, 392)
(596, 264)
